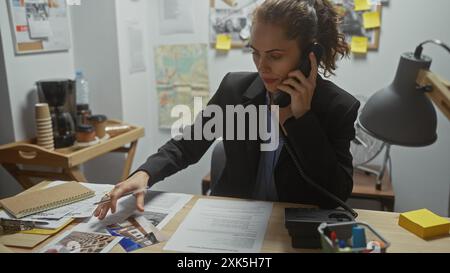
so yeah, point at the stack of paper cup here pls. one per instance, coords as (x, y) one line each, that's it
(44, 127)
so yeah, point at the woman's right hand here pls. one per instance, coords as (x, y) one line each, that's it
(137, 182)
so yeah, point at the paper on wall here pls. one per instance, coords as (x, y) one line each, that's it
(176, 16)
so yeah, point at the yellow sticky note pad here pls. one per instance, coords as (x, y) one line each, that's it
(223, 42)
(424, 223)
(362, 5)
(359, 44)
(372, 19)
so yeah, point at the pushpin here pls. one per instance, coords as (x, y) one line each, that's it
(231, 3)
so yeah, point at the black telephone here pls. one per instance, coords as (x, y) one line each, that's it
(283, 99)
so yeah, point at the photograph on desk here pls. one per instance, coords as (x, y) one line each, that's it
(136, 235)
(155, 217)
(82, 242)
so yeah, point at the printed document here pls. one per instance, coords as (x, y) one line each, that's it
(215, 226)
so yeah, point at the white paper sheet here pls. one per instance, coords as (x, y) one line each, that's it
(39, 29)
(51, 223)
(166, 201)
(216, 226)
(136, 48)
(159, 209)
(176, 16)
(54, 214)
(82, 209)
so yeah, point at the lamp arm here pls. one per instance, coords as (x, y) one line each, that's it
(440, 90)
(419, 49)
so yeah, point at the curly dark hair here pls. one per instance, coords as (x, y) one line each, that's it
(308, 21)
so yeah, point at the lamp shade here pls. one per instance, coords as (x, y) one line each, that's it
(401, 114)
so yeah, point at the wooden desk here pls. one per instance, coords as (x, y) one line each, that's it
(364, 188)
(277, 238)
(66, 161)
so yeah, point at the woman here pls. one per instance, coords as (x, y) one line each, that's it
(319, 123)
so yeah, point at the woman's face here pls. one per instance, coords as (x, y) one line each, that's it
(274, 55)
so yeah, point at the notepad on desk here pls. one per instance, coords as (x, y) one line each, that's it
(424, 223)
(43, 200)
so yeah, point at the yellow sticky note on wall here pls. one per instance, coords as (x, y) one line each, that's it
(362, 5)
(372, 19)
(223, 42)
(424, 223)
(359, 44)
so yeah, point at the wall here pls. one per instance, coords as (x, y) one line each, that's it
(21, 74)
(6, 127)
(95, 44)
(136, 91)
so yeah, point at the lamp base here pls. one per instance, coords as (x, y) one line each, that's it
(382, 172)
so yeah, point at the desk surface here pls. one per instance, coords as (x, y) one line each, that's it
(277, 239)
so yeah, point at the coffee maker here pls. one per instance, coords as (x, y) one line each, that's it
(60, 95)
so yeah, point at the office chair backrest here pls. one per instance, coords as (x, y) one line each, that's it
(218, 161)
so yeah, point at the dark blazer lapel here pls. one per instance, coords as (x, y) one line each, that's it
(254, 95)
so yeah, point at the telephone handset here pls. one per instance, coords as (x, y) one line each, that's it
(283, 99)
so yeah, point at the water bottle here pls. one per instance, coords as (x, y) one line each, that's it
(82, 89)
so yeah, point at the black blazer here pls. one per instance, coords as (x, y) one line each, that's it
(321, 138)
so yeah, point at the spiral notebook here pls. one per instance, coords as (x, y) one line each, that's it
(47, 199)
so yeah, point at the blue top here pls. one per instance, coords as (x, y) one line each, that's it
(265, 188)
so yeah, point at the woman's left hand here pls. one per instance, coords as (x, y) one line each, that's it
(301, 90)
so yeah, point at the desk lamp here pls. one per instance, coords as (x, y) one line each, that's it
(402, 113)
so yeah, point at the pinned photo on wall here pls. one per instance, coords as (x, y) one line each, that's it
(356, 22)
(39, 25)
(38, 19)
(232, 19)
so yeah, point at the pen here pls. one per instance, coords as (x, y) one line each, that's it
(106, 200)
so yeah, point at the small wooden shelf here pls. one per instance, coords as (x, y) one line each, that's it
(27, 153)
